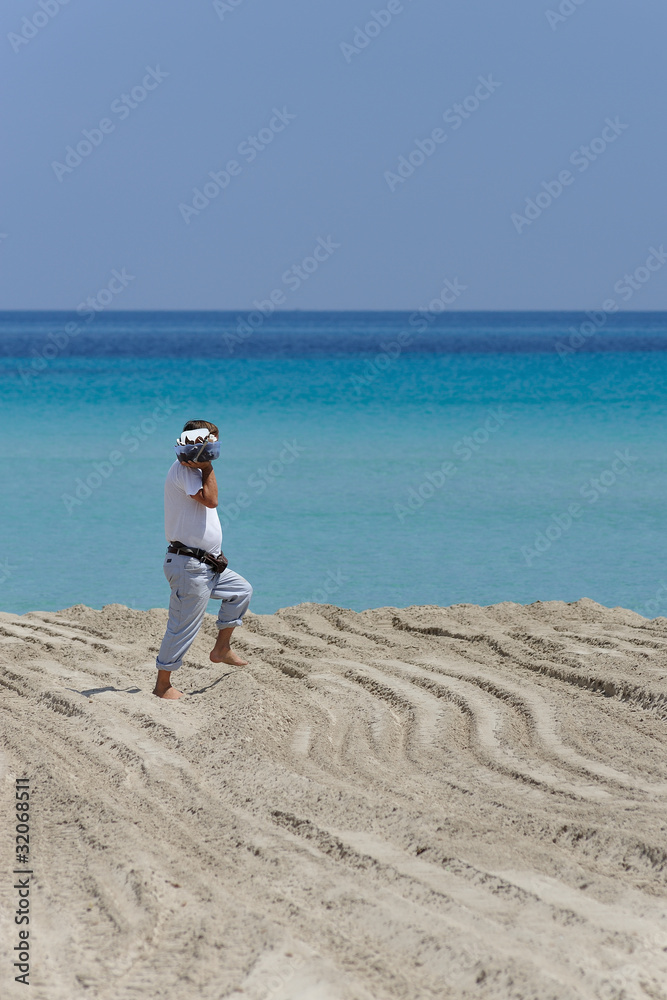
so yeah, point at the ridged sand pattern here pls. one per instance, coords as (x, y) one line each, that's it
(427, 802)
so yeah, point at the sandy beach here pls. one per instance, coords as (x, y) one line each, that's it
(400, 803)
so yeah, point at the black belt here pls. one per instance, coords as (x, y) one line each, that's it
(219, 563)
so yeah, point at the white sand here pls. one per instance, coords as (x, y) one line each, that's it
(421, 803)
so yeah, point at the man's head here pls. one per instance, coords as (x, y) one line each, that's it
(194, 424)
(196, 447)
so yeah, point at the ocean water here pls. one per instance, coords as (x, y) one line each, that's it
(368, 459)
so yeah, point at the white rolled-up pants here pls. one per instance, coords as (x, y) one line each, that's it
(193, 584)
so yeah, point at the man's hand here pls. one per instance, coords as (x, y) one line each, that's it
(198, 465)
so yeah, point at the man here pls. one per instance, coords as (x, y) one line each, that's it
(194, 533)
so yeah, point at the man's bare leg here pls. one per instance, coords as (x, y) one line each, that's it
(163, 688)
(222, 653)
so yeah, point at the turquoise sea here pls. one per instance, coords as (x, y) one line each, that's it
(368, 459)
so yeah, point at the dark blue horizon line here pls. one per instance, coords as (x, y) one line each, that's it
(342, 312)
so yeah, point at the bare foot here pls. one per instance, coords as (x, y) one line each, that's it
(226, 656)
(170, 693)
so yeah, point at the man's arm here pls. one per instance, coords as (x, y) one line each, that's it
(208, 494)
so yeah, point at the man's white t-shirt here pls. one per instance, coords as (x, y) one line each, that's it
(186, 520)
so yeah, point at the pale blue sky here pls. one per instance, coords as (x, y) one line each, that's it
(323, 175)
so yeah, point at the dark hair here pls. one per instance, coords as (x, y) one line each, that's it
(192, 425)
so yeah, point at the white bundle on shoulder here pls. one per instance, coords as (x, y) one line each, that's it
(196, 436)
